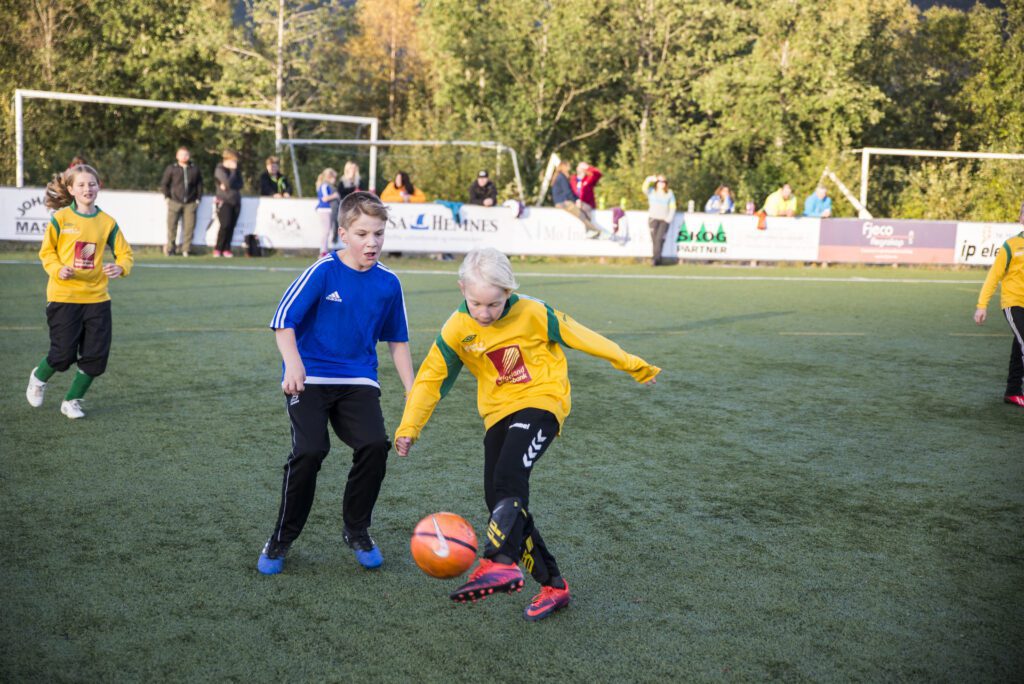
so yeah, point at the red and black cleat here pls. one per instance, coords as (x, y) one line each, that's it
(1017, 399)
(488, 578)
(547, 602)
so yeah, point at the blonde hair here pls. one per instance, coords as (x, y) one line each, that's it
(351, 172)
(322, 178)
(58, 190)
(360, 204)
(229, 154)
(488, 266)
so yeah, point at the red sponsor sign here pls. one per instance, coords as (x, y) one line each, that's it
(510, 365)
(85, 255)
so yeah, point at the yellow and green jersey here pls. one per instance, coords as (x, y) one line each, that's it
(517, 360)
(1008, 268)
(80, 241)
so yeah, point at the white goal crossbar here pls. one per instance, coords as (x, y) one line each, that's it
(21, 95)
(487, 144)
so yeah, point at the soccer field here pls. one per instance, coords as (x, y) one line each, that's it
(824, 485)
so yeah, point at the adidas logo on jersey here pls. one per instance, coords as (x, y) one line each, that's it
(334, 297)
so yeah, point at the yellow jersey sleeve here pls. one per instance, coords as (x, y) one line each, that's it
(568, 332)
(123, 255)
(48, 254)
(995, 274)
(434, 379)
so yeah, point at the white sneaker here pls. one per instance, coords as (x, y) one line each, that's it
(72, 408)
(36, 390)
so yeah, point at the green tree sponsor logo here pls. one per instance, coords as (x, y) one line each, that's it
(702, 235)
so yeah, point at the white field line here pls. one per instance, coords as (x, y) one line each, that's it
(825, 334)
(976, 335)
(601, 276)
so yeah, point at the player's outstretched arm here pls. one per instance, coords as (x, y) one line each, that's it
(294, 370)
(570, 332)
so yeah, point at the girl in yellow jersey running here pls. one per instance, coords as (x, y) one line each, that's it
(77, 301)
(1008, 269)
(512, 344)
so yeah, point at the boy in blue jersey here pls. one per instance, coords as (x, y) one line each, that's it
(327, 328)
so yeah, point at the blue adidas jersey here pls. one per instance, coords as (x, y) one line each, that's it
(339, 314)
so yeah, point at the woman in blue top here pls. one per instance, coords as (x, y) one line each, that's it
(327, 197)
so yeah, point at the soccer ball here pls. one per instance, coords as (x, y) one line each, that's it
(443, 545)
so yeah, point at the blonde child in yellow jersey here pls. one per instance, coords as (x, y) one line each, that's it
(513, 346)
(1008, 269)
(78, 304)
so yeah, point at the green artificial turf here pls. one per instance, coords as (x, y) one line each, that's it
(824, 485)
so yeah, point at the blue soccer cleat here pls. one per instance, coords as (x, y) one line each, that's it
(271, 560)
(366, 550)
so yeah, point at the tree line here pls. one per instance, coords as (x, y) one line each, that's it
(742, 92)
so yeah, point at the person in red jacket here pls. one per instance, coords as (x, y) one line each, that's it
(583, 183)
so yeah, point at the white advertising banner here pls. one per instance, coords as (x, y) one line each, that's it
(977, 243)
(736, 237)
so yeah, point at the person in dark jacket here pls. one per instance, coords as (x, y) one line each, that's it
(483, 191)
(272, 181)
(182, 186)
(229, 201)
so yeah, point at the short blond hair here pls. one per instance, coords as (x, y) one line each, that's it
(488, 266)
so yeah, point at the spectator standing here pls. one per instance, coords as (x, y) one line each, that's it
(661, 210)
(182, 186)
(349, 182)
(1008, 269)
(582, 184)
(402, 190)
(782, 202)
(229, 201)
(483, 191)
(326, 206)
(272, 181)
(721, 202)
(818, 204)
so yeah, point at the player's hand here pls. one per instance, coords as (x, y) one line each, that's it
(294, 380)
(112, 271)
(402, 445)
(980, 315)
(652, 381)
(65, 273)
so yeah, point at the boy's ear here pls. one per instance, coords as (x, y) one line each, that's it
(462, 289)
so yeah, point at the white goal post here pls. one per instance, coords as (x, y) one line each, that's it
(487, 144)
(865, 162)
(21, 95)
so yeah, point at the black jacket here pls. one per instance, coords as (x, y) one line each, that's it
(232, 178)
(184, 185)
(478, 194)
(274, 186)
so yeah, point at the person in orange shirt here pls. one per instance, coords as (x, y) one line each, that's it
(513, 346)
(78, 304)
(402, 190)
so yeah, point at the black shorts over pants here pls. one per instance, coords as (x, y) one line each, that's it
(79, 333)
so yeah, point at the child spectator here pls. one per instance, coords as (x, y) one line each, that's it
(512, 344)
(1008, 269)
(327, 327)
(272, 182)
(326, 206)
(78, 303)
(483, 191)
(721, 202)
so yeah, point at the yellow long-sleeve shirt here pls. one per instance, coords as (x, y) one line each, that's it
(80, 241)
(1008, 268)
(517, 361)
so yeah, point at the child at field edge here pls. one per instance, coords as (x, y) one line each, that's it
(512, 344)
(1009, 269)
(77, 301)
(327, 327)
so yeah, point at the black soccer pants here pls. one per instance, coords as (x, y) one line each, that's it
(353, 411)
(1015, 376)
(79, 333)
(227, 216)
(512, 446)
